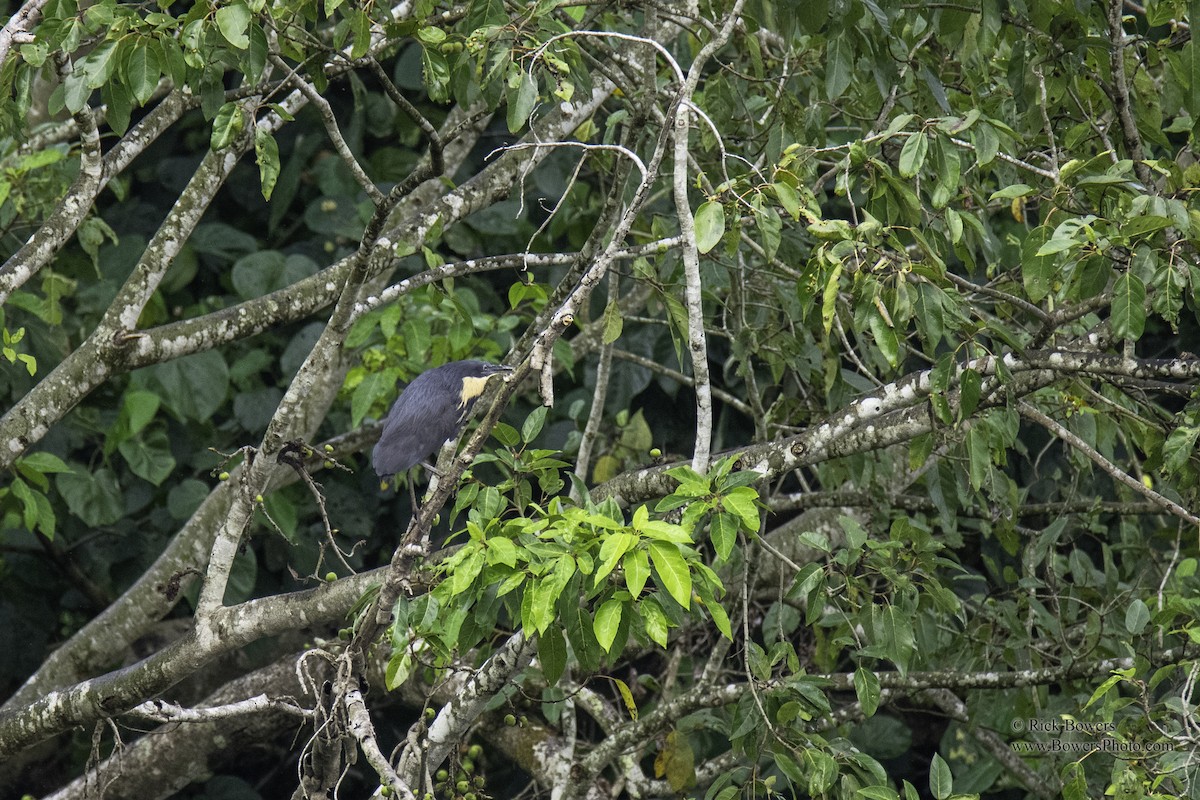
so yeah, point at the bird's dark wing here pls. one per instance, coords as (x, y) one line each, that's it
(416, 426)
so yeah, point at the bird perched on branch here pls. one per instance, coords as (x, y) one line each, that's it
(431, 410)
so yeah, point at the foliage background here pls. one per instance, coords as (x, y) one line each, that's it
(869, 331)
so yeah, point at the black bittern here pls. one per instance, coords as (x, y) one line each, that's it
(430, 411)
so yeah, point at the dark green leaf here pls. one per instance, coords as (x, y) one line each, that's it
(866, 686)
(912, 155)
(533, 424)
(94, 497)
(552, 654)
(142, 71)
(521, 102)
(193, 387)
(839, 63)
(1129, 307)
(149, 456)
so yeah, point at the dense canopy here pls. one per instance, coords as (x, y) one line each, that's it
(849, 450)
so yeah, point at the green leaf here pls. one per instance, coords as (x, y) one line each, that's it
(360, 26)
(912, 155)
(608, 622)
(1137, 617)
(1129, 307)
(227, 126)
(676, 762)
(719, 618)
(266, 155)
(839, 63)
(43, 463)
(1191, 64)
(1012, 192)
(613, 323)
(672, 570)
(722, 531)
(533, 424)
(742, 501)
(1179, 447)
(655, 620)
(626, 698)
(373, 387)
(970, 388)
(710, 225)
(770, 228)
(501, 551)
(552, 653)
(829, 298)
(1140, 226)
(266, 271)
(1037, 271)
(979, 457)
(892, 634)
(520, 101)
(941, 783)
(233, 20)
(885, 337)
(614, 547)
(788, 198)
(467, 569)
(987, 144)
(149, 456)
(142, 71)
(637, 570)
(866, 686)
(94, 497)
(1057, 244)
(99, 65)
(878, 793)
(822, 771)
(192, 387)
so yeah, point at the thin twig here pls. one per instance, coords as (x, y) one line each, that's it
(1027, 410)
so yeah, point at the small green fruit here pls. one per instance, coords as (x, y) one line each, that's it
(510, 720)
(344, 634)
(442, 775)
(475, 751)
(462, 787)
(385, 790)
(655, 452)
(331, 576)
(224, 476)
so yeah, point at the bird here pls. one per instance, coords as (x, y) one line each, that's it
(431, 410)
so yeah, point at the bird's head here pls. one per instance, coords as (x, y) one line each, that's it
(475, 375)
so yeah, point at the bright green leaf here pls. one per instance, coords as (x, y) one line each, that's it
(672, 570)
(608, 621)
(233, 21)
